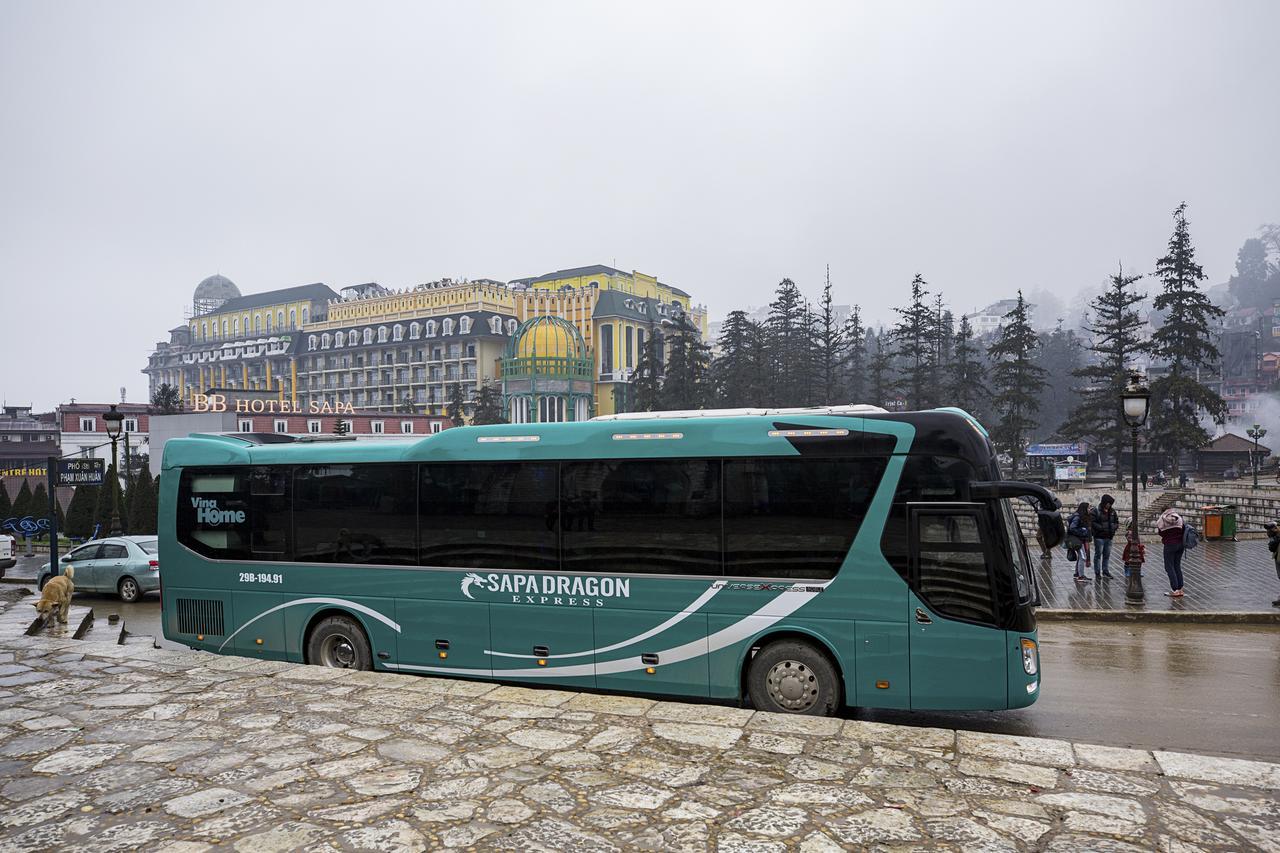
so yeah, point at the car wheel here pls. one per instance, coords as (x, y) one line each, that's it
(793, 677)
(339, 642)
(44, 579)
(129, 590)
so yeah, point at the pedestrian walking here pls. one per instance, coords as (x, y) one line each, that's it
(1273, 542)
(1144, 480)
(1078, 536)
(1171, 528)
(1135, 553)
(1104, 522)
(1182, 479)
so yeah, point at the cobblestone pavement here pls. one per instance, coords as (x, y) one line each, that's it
(106, 747)
(1219, 576)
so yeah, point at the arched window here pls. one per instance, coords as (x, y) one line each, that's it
(279, 319)
(511, 327)
(446, 326)
(204, 330)
(268, 324)
(397, 332)
(368, 336)
(352, 338)
(495, 325)
(415, 330)
(325, 340)
(304, 316)
(293, 318)
(224, 327)
(257, 322)
(339, 340)
(382, 334)
(246, 324)
(311, 342)
(431, 328)
(464, 325)
(235, 326)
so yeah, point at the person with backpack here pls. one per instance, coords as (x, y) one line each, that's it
(1103, 522)
(1078, 536)
(1173, 533)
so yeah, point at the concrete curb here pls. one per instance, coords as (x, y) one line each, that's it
(1194, 617)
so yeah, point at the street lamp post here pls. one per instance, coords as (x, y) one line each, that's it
(1135, 401)
(1256, 432)
(113, 419)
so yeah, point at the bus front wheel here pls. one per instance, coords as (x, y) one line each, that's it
(339, 642)
(793, 677)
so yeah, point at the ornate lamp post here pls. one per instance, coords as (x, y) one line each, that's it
(113, 420)
(1135, 401)
(1256, 432)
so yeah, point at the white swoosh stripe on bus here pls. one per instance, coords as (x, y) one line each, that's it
(344, 602)
(777, 609)
(684, 614)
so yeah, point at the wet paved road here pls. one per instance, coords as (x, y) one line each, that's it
(1141, 686)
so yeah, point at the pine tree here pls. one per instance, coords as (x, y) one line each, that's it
(6, 506)
(406, 406)
(1115, 331)
(788, 344)
(22, 503)
(456, 408)
(880, 386)
(1184, 342)
(341, 427)
(733, 373)
(1059, 354)
(102, 511)
(166, 400)
(1017, 382)
(143, 503)
(488, 406)
(646, 379)
(913, 338)
(687, 384)
(80, 512)
(1249, 284)
(855, 357)
(829, 350)
(964, 377)
(39, 502)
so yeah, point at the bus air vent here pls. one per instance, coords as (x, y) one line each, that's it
(200, 616)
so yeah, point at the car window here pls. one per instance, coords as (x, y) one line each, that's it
(150, 546)
(113, 552)
(87, 552)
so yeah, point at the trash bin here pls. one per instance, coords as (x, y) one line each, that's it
(1229, 521)
(1213, 522)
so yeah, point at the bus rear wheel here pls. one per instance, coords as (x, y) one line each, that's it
(339, 642)
(793, 677)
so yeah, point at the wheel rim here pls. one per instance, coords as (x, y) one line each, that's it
(338, 651)
(128, 589)
(793, 685)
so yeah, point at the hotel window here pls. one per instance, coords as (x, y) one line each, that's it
(376, 427)
(406, 427)
(304, 315)
(282, 425)
(435, 427)
(415, 330)
(224, 328)
(352, 338)
(464, 325)
(431, 328)
(630, 352)
(606, 349)
(130, 424)
(246, 424)
(88, 424)
(293, 317)
(446, 326)
(311, 344)
(368, 336)
(382, 334)
(279, 320)
(257, 322)
(268, 324)
(398, 332)
(339, 339)
(313, 427)
(511, 327)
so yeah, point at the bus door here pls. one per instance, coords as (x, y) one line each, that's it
(957, 650)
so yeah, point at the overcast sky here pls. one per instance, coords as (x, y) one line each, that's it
(721, 147)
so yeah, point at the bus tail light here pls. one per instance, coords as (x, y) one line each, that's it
(153, 565)
(1030, 663)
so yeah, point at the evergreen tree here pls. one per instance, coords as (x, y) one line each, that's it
(788, 344)
(646, 379)
(488, 406)
(829, 350)
(1249, 285)
(102, 511)
(80, 512)
(166, 400)
(964, 377)
(143, 503)
(39, 506)
(913, 339)
(855, 357)
(686, 384)
(406, 405)
(6, 506)
(456, 408)
(341, 427)
(1185, 343)
(1060, 355)
(880, 384)
(22, 503)
(1115, 330)
(760, 358)
(1017, 382)
(733, 372)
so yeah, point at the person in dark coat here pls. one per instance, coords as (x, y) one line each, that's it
(1104, 523)
(1144, 480)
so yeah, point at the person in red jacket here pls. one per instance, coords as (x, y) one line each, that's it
(1171, 528)
(1135, 553)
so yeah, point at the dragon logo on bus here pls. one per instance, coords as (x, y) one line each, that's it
(562, 590)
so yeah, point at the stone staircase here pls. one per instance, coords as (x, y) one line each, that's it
(1151, 503)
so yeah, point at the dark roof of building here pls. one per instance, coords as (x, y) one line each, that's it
(677, 291)
(1232, 443)
(271, 297)
(615, 303)
(479, 329)
(594, 269)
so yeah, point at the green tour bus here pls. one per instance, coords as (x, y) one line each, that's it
(802, 558)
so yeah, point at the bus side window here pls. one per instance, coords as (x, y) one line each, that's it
(213, 512)
(270, 513)
(356, 514)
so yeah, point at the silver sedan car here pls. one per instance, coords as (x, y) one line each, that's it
(125, 565)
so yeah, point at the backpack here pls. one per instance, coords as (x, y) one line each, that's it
(1190, 538)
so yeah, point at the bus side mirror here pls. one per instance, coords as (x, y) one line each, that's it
(1052, 530)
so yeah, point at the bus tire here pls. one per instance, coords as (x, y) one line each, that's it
(793, 677)
(339, 642)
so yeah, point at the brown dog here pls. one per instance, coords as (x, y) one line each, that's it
(57, 594)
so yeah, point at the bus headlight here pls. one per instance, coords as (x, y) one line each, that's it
(1030, 663)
